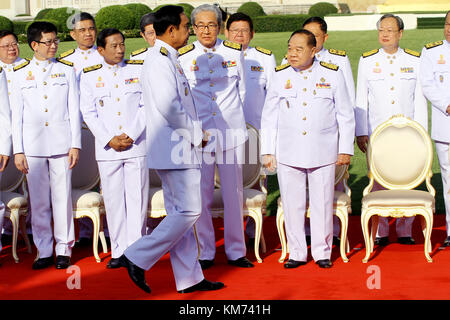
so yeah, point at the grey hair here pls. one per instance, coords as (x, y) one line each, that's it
(207, 8)
(399, 20)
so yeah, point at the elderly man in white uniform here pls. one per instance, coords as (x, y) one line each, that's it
(216, 73)
(173, 133)
(111, 103)
(307, 129)
(435, 80)
(46, 131)
(388, 84)
(5, 136)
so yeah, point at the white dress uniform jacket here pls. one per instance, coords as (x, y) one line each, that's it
(9, 70)
(111, 102)
(82, 58)
(5, 132)
(171, 115)
(217, 79)
(388, 84)
(259, 68)
(435, 79)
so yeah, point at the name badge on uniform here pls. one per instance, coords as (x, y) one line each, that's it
(257, 68)
(58, 75)
(132, 80)
(229, 64)
(288, 85)
(101, 103)
(30, 76)
(407, 70)
(323, 85)
(99, 83)
(441, 59)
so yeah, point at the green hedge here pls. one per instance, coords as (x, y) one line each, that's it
(430, 23)
(252, 9)
(321, 9)
(41, 14)
(138, 10)
(6, 24)
(116, 16)
(279, 23)
(20, 26)
(61, 15)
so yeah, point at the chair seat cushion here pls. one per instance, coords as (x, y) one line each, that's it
(86, 199)
(13, 200)
(156, 207)
(398, 198)
(252, 199)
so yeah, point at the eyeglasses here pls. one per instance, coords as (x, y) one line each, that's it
(48, 43)
(83, 30)
(202, 27)
(236, 31)
(10, 45)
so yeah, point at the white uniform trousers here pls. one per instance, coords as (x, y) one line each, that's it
(2, 213)
(125, 186)
(50, 189)
(403, 226)
(442, 153)
(292, 183)
(229, 164)
(175, 233)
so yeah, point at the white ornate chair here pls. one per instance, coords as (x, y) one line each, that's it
(254, 198)
(87, 202)
(341, 208)
(16, 204)
(400, 156)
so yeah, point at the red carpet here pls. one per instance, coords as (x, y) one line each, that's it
(404, 274)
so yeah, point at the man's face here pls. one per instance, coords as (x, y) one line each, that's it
(149, 35)
(9, 49)
(447, 28)
(300, 54)
(321, 36)
(240, 33)
(114, 49)
(45, 48)
(181, 35)
(84, 33)
(389, 34)
(206, 28)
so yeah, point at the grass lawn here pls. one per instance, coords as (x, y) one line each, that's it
(355, 43)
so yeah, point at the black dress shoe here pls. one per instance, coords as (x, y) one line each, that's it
(204, 285)
(114, 263)
(406, 240)
(205, 264)
(290, 264)
(42, 263)
(381, 241)
(242, 262)
(83, 243)
(62, 262)
(324, 263)
(136, 273)
(446, 242)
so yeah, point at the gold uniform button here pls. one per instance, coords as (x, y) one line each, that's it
(120, 127)
(304, 103)
(210, 71)
(305, 77)
(392, 74)
(45, 110)
(391, 62)
(118, 99)
(115, 74)
(205, 50)
(46, 124)
(9, 81)
(392, 88)
(211, 84)
(116, 85)
(304, 133)
(214, 114)
(45, 96)
(213, 98)
(304, 118)
(393, 102)
(44, 70)
(118, 113)
(45, 83)
(304, 89)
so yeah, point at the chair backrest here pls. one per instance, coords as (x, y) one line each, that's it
(85, 174)
(11, 178)
(341, 173)
(400, 154)
(251, 167)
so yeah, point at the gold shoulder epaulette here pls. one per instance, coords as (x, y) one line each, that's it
(412, 52)
(232, 45)
(341, 53)
(164, 51)
(132, 61)
(329, 65)
(22, 65)
(92, 68)
(67, 63)
(186, 49)
(263, 50)
(139, 51)
(1, 69)
(370, 53)
(282, 67)
(67, 53)
(434, 44)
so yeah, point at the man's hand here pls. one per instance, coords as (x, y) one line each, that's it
(205, 138)
(448, 109)
(343, 159)
(121, 143)
(3, 162)
(269, 162)
(21, 163)
(74, 156)
(362, 142)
